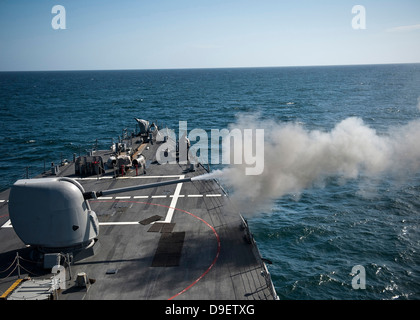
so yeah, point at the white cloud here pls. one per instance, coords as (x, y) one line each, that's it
(404, 28)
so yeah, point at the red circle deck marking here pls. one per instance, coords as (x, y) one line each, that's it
(193, 215)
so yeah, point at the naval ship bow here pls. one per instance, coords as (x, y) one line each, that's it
(119, 224)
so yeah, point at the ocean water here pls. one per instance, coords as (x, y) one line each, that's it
(315, 237)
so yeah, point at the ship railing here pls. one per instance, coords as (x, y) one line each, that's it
(265, 272)
(16, 265)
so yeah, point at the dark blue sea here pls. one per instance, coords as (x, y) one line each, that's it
(314, 237)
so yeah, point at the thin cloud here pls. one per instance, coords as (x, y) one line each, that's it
(404, 28)
(206, 46)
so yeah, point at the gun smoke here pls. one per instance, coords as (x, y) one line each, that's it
(296, 158)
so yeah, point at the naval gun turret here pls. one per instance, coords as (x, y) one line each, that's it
(51, 213)
(54, 215)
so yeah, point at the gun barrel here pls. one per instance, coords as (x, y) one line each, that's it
(90, 195)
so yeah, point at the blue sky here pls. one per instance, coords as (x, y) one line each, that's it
(164, 34)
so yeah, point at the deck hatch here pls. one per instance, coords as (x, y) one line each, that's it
(168, 252)
(150, 220)
(161, 227)
(111, 271)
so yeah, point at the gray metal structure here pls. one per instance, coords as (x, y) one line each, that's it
(136, 234)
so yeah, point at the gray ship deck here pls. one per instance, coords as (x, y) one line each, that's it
(181, 241)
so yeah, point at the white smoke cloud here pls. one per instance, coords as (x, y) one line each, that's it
(296, 158)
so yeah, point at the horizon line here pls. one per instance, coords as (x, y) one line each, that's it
(210, 68)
